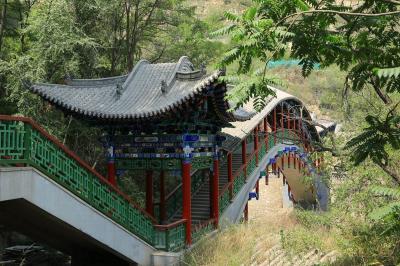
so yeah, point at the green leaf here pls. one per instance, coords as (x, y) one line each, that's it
(387, 72)
(383, 212)
(250, 13)
(302, 5)
(386, 191)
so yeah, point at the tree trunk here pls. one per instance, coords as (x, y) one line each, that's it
(384, 97)
(3, 22)
(395, 177)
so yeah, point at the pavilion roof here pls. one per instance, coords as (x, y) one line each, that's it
(150, 90)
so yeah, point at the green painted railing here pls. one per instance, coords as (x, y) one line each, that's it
(171, 237)
(224, 198)
(23, 142)
(240, 176)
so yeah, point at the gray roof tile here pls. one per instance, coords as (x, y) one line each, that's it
(137, 95)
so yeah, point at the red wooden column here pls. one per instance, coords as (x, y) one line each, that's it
(246, 212)
(149, 192)
(282, 124)
(111, 171)
(274, 125)
(163, 214)
(294, 160)
(215, 190)
(289, 128)
(256, 142)
(244, 155)
(266, 131)
(230, 175)
(299, 161)
(187, 199)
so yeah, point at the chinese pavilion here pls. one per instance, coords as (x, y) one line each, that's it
(159, 118)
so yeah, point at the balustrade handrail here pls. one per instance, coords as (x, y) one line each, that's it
(164, 227)
(70, 153)
(151, 220)
(242, 167)
(225, 188)
(150, 234)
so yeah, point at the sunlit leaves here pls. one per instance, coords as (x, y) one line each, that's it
(372, 142)
(387, 72)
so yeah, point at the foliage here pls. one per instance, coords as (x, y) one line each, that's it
(361, 40)
(45, 41)
(374, 139)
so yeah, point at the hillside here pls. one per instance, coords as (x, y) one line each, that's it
(206, 8)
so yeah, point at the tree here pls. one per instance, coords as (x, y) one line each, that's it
(361, 39)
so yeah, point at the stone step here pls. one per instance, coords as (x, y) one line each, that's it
(305, 258)
(330, 257)
(273, 261)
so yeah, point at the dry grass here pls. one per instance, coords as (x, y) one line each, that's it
(237, 244)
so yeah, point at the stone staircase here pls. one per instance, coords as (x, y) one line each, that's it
(201, 198)
(277, 256)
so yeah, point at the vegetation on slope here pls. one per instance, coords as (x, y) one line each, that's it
(47, 40)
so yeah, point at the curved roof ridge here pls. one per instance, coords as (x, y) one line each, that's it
(96, 82)
(183, 60)
(134, 71)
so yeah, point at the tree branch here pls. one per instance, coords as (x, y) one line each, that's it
(343, 13)
(395, 177)
(3, 22)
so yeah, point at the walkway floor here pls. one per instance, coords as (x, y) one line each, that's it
(269, 212)
(269, 208)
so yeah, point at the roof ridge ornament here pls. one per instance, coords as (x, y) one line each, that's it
(203, 68)
(164, 86)
(118, 90)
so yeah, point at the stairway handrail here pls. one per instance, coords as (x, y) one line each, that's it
(164, 227)
(70, 153)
